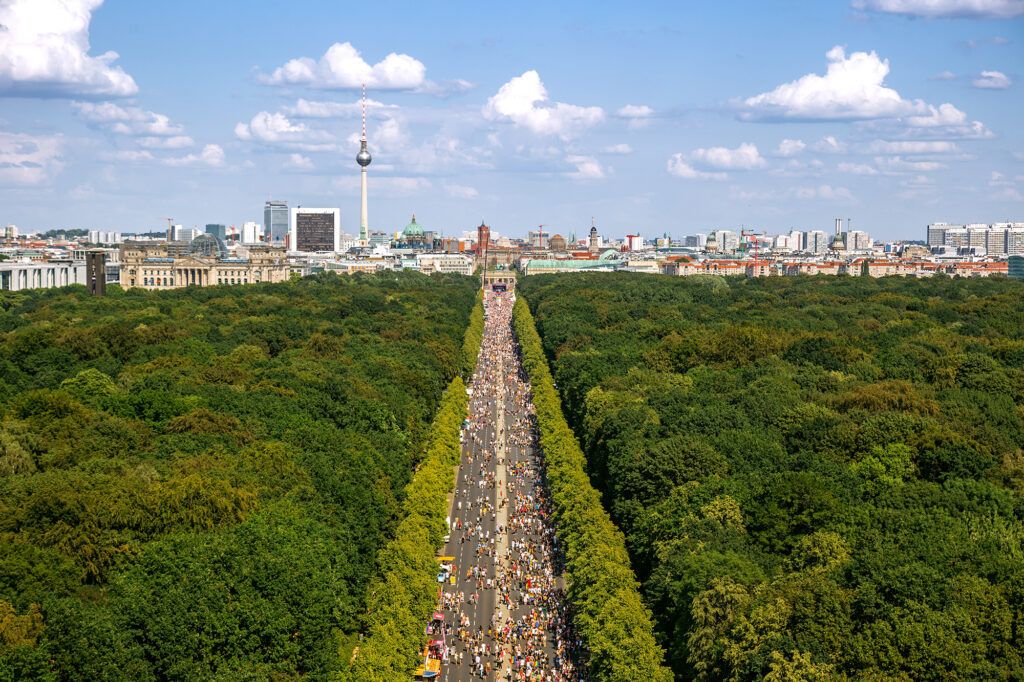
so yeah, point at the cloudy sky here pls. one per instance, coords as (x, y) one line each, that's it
(650, 117)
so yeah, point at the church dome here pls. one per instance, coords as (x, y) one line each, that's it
(413, 229)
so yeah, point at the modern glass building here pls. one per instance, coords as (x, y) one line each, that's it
(1015, 267)
(218, 231)
(275, 220)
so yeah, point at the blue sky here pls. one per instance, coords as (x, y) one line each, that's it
(650, 117)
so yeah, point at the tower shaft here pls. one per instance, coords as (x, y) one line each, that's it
(363, 235)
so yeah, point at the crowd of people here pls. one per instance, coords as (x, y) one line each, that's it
(505, 615)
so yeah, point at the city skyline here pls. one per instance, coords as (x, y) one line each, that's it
(655, 119)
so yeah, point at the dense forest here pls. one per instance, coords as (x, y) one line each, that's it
(195, 484)
(818, 478)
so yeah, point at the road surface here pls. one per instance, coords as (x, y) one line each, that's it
(504, 615)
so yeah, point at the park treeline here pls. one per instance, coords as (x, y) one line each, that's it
(403, 597)
(608, 611)
(817, 478)
(195, 484)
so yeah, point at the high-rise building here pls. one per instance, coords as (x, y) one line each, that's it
(937, 233)
(219, 231)
(1015, 239)
(956, 238)
(995, 239)
(634, 242)
(694, 241)
(11, 232)
(977, 236)
(250, 233)
(816, 241)
(315, 230)
(728, 240)
(857, 240)
(275, 220)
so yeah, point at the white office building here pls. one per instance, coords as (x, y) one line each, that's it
(727, 240)
(15, 276)
(251, 232)
(184, 234)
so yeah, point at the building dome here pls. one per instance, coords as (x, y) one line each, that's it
(413, 229)
(208, 246)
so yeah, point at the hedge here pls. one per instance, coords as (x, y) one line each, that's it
(401, 600)
(610, 616)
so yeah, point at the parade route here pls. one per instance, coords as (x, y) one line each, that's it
(503, 612)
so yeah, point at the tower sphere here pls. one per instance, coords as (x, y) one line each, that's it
(363, 157)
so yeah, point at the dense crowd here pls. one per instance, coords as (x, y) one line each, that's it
(507, 522)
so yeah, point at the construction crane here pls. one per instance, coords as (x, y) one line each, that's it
(752, 235)
(169, 228)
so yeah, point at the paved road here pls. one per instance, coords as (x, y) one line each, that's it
(504, 616)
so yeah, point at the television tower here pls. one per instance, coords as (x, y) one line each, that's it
(363, 159)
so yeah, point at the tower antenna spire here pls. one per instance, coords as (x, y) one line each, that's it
(364, 111)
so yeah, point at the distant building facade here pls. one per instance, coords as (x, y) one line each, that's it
(275, 221)
(41, 275)
(315, 230)
(155, 266)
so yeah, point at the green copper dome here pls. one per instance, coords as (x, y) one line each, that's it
(413, 229)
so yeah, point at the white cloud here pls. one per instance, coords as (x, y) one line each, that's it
(857, 169)
(445, 88)
(992, 80)
(129, 120)
(744, 157)
(970, 9)
(309, 109)
(621, 148)
(212, 155)
(299, 162)
(790, 148)
(342, 67)
(944, 115)
(829, 145)
(587, 167)
(44, 52)
(26, 161)
(276, 129)
(460, 191)
(678, 166)
(132, 155)
(913, 147)
(635, 111)
(944, 76)
(851, 89)
(524, 101)
(175, 142)
(822, 192)
(898, 164)
(638, 115)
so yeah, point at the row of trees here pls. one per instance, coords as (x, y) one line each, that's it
(195, 484)
(402, 599)
(609, 613)
(817, 478)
